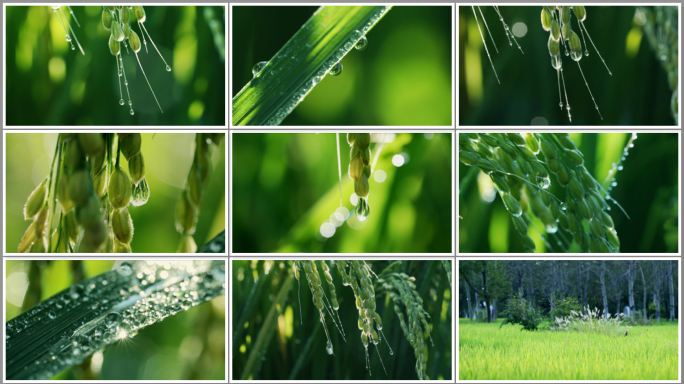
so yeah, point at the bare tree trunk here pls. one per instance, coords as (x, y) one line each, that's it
(470, 305)
(586, 289)
(533, 302)
(643, 281)
(603, 289)
(656, 294)
(487, 297)
(494, 310)
(672, 302)
(477, 304)
(617, 299)
(632, 276)
(579, 281)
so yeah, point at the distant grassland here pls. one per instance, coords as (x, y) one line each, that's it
(489, 353)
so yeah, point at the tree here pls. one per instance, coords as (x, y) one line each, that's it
(672, 304)
(603, 289)
(632, 277)
(493, 284)
(656, 289)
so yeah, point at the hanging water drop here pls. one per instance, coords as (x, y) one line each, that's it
(586, 53)
(51, 315)
(362, 209)
(361, 44)
(563, 206)
(112, 320)
(255, 71)
(329, 348)
(125, 268)
(543, 182)
(121, 102)
(336, 69)
(168, 68)
(132, 112)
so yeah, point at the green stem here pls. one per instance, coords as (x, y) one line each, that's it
(266, 333)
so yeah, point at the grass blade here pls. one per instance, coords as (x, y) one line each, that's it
(266, 333)
(305, 59)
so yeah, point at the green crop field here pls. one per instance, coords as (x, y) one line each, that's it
(487, 352)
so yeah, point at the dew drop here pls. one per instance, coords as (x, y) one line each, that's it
(255, 71)
(121, 102)
(68, 38)
(561, 104)
(125, 269)
(73, 48)
(362, 209)
(168, 68)
(132, 112)
(130, 102)
(567, 53)
(126, 82)
(336, 69)
(329, 348)
(563, 206)
(543, 182)
(620, 168)
(51, 315)
(506, 26)
(361, 44)
(586, 53)
(112, 320)
(391, 352)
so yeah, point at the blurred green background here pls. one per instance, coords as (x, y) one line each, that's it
(636, 94)
(285, 185)
(297, 350)
(187, 346)
(49, 84)
(168, 157)
(647, 188)
(403, 77)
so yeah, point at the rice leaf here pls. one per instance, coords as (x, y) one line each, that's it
(303, 62)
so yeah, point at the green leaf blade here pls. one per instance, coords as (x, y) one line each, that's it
(330, 33)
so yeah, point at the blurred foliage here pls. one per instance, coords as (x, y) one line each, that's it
(403, 77)
(168, 157)
(49, 84)
(187, 346)
(636, 94)
(647, 188)
(285, 185)
(297, 350)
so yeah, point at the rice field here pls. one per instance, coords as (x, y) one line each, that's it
(489, 353)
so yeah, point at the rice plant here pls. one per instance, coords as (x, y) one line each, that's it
(88, 194)
(661, 28)
(522, 180)
(369, 293)
(558, 21)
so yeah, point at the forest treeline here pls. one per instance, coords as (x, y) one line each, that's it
(645, 286)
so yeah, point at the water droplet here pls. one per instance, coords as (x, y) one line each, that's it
(613, 184)
(561, 104)
(125, 82)
(543, 182)
(362, 209)
(329, 348)
(567, 53)
(552, 228)
(361, 44)
(68, 38)
(130, 102)
(132, 112)
(112, 320)
(563, 206)
(168, 68)
(121, 102)
(348, 46)
(120, 73)
(51, 315)
(506, 27)
(586, 53)
(620, 168)
(125, 269)
(73, 48)
(336, 69)
(255, 71)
